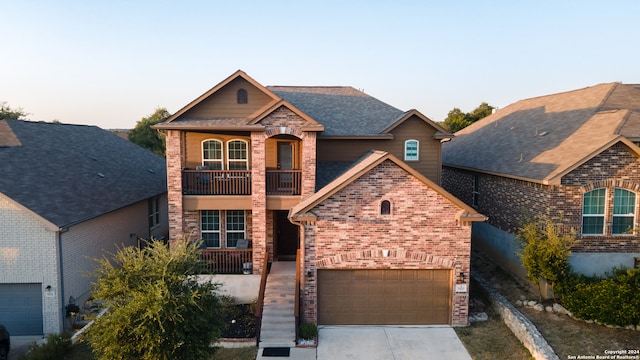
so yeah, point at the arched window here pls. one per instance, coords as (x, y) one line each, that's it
(593, 205)
(243, 98)
(237, 155)
(411, 150)
(385, 207)
(212, 154)
(624, 212)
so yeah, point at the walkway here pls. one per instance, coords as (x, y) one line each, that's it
(278, 323)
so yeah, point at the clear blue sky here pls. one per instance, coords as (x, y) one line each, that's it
(110, 63)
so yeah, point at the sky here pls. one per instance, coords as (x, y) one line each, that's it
(111, 63)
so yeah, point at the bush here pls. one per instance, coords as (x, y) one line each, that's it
(308, 331)
(611, 300)
(55, 348)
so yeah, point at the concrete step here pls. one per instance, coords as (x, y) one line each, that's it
(277, 335)
(279, 326)
(279, 319)
(290, 344)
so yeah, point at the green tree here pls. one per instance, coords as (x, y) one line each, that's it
(147, 137)
(457, 120)
(156, 309)
(544, 252)
(6, 112)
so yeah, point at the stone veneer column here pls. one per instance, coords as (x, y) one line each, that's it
(308, 164)
(174, 184)
(258, 200)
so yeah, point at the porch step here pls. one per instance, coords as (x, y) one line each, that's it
(278, 323)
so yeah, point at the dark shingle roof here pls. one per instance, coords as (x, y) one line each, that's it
(71, 173)
(543, 138)
(343, 110)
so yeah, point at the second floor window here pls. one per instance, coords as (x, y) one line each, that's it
(237, 155)
(411, 148)
(212, 154)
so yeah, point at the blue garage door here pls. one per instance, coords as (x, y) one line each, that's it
(21, 308)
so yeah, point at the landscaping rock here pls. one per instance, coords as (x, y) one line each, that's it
(531, 303)
(478, 317)
(560, 309)
(538, 307)
(519, 303)
(548, 309)
(523, 298)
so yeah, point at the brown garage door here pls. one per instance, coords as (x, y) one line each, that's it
(384, 297)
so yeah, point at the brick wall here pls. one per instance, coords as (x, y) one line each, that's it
(509, 203)
(421, 232)
(174, 184)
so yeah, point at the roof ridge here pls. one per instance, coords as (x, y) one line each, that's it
(565, 92)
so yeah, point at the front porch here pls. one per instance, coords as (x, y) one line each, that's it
(227, 261)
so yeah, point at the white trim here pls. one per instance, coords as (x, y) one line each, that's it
(219, 232)
(417, 157)
(246, 159)
(613, 214)
(603, 215)
(212, 160)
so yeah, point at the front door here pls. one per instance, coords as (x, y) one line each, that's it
(285, 163)
(287, 237)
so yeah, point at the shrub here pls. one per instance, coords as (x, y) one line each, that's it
(55, 348)
(308, 331)
(612, 300)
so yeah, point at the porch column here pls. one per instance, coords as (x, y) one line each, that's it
(259, 201)
(308, 163)
(174, 185)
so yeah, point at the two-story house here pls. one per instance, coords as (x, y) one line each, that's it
(572, 157)
(283, 170)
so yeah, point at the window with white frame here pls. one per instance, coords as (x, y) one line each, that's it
(593, 206)
(210, 228)
(624, 211)
(411, 150)
(212, 154)
(235, 220)
(237, 155)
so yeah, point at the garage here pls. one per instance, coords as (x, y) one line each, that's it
(384, 297)
(21, 308)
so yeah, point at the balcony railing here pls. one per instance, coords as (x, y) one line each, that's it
(216, 182)
(238, 182)
(227, 261)
(284, 182)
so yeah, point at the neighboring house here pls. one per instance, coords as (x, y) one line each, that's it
(68, 194)
(572, 157)
(242, 155)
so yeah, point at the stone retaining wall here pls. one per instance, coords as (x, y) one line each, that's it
(521, 327)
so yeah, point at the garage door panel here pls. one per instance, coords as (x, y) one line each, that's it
(21, 308)
(358, 296)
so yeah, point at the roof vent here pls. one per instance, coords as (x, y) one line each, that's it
(101, 175)
(151, 171)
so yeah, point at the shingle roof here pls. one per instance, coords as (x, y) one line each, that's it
(542, 138)
(343, 110)
(71, 173)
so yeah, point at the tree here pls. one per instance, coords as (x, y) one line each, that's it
(544, 252)
(147, 137)
(6, 112)
(457, 120)
(156, 309)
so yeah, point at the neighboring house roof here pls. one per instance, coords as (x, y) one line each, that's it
(67, 174)
(373, 158)
(335, 111)
(542, 139)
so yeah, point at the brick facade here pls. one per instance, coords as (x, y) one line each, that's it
(421, 232)
(509, 203)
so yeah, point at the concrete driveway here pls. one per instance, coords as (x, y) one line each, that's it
(389, 342)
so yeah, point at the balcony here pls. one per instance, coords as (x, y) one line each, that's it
(226, 261)
(238, 182)
(216, 182)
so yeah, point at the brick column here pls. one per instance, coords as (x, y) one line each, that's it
(174, 184)
(308, 163)
(258, 200)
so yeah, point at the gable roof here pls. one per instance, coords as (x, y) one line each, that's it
(67, 174)
(542, 139)
(334, 111)
(367, 162)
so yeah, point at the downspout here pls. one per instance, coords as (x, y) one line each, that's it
(63, 312)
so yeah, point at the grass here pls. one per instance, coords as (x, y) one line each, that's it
(567, 337)
(491, 339)
(82, 351)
